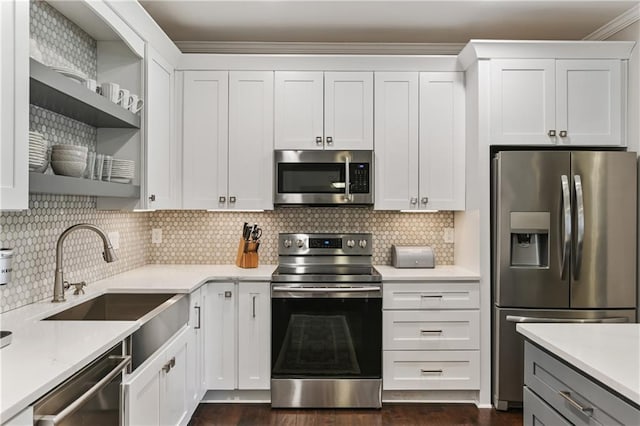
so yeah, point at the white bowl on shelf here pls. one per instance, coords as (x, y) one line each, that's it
(69, 168)
(69, 156)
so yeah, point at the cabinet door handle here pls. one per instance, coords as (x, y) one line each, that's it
(232, 199)
(197, 308)
(166, 368)
(431, 331)
(152, 197)
(425, 200)
(227, 295)
(318, 140)
(563, 133)
(222, 199)
(172, 362)
(431, 296)
(584, 410)
(254, 306)
(551, 133)
(414, 201)
(329, 140)
(430, 371)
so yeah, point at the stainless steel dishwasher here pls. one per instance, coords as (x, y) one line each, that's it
(90, 397)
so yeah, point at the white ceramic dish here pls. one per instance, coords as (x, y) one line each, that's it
(69, 168)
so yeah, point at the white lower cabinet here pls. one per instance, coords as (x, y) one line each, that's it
(431, 336)
(238, 335)
(254, 336)
(196, 379)
(156, 393)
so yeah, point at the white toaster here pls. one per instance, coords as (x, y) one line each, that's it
(412, 257)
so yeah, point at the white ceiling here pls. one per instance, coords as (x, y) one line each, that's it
(380, 21)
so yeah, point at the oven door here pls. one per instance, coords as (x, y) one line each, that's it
(326, 345)
(323, 177)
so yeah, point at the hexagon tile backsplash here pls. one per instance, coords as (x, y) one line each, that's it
(33, 235)
(212, 237)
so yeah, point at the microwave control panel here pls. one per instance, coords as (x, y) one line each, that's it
(359, 178)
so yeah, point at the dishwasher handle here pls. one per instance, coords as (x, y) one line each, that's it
(52, 420)
(522, 319)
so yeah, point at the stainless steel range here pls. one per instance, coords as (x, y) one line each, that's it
(326, 329)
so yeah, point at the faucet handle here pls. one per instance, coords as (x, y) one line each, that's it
(78, 287)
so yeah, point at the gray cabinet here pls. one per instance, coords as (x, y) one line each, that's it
(572, 396)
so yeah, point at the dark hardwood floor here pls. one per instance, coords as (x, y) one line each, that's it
(390, 414)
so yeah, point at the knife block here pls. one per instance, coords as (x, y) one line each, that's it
(247, 256)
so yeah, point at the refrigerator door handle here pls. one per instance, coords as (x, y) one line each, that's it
(577, 181)
(566, 214)
(522, 319)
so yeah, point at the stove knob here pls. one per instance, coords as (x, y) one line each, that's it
(362, 243)
(351, 243)
(300, 243)
(287, 243)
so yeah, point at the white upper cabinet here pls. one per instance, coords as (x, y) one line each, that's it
(348, 110)
(162, 185)
(442, 141)
(14, 105)
(330, 110)
(396, 135)
(420, 141)
(548, 101)
(299, 115)
(205, 139)
(250, 140)
(589, 102)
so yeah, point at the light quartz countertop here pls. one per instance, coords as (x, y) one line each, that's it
(439, 273)
(45, 353)
(610, 353)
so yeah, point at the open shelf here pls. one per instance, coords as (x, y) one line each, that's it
(57, 93)
(54, 184)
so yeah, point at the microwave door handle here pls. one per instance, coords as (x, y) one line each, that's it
(577, 181)
(347, 180)
(566, 219)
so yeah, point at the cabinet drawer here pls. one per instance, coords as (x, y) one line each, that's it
(436, 295)
(428, 330)
(536, 412)
(566, 390)
(426, 370)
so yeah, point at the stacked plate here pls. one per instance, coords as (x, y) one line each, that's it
(75, 75)
(122, 171)
(69, 160)
(38, 153)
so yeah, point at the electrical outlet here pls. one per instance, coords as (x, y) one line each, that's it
(156, 235)
(114, 237)
(448, 235)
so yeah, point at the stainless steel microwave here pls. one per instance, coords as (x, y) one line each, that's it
(323, 178)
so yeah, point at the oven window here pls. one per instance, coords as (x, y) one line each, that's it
(307, 178)
(326, 338)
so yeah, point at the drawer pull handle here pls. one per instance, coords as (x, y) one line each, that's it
(430, 371)
(584, 410)
(431, 331)
(437, 296)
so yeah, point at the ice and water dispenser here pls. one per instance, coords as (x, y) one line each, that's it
(530, 239)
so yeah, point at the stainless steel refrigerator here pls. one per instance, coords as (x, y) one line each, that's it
(563, 248)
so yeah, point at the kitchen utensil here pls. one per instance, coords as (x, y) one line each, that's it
(246, 231)
(256, 233)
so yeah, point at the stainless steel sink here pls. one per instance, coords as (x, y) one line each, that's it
(113, 307)
(160, 317)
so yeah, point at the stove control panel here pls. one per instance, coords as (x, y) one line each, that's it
(325, 244)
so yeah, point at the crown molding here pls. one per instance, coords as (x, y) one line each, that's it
(617, 24)
(313, 48)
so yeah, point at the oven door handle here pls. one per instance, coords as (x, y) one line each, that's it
(69, 409)
(326, 289)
